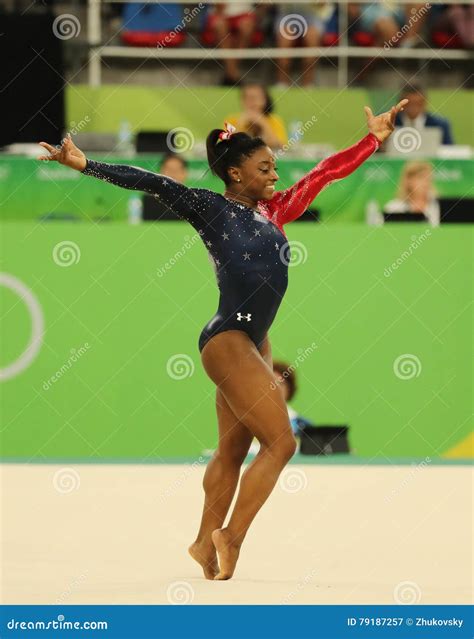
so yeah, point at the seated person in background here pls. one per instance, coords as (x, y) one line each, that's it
(385, 20)
(257, 117)
(416, 193)
(233, 24)
(285, 377)
(174, 166)
(458, 18)
(416, 116)
(307, 23)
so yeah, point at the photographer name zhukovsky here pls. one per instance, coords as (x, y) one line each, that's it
(421, 621)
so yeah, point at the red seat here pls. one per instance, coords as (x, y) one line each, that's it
(153, 38)
(330, 39)
(446, 40)
(363, 39)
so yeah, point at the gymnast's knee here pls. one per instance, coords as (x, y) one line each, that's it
(283, 448)
(231, 457)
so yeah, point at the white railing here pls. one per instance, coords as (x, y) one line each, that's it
(343, 51)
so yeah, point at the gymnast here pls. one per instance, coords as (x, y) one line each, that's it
(243, 230)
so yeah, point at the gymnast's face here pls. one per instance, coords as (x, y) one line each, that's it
(257, 174)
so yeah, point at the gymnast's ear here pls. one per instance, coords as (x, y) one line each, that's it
(234, 174)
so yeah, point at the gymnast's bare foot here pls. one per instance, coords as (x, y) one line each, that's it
(205, 555)
(228, 553)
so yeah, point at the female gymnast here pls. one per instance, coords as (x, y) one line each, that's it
(243, 232)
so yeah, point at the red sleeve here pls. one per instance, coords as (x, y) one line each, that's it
(287, 205)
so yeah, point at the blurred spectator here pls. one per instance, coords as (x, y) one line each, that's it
(175, 167)
(416, 116)
(301, 23)
(257, 117)
(384, 20)
(151, 25)
(286, 378)
(233, 25)
(416, 193)
(458, 19)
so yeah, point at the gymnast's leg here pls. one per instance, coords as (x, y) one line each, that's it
(247, 382)
(220, 482)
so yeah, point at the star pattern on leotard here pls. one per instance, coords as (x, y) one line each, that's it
(255, 289)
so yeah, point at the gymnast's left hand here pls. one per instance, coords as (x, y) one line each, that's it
(383, 125)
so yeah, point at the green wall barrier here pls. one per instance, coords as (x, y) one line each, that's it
(30, 189)
(340, 113)
(377, 322)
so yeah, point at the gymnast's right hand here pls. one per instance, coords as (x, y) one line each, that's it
(67, 154)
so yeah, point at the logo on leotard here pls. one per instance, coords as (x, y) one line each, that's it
(259, 218)
(240, 317)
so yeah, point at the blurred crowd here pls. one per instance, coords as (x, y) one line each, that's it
(416, 196)
(257, 117)
(241, 25)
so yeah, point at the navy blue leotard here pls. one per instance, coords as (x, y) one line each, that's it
(248, 247)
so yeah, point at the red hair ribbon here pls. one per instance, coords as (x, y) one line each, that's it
(229, 131)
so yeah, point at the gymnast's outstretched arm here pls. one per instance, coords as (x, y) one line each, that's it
(289, 204)
(293, 202)
(181, 199)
